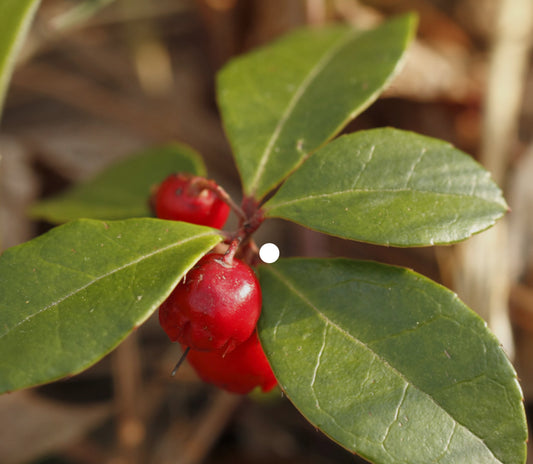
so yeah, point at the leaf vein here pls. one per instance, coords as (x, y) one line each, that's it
(290, 285)
(366, 191)
(68, 295)
(278, 323)
(318, 361)
(365, 165)
(396, 414)
(293, 102)
(448, 443)
(413, 167)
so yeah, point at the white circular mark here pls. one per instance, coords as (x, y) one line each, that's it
(269, 253)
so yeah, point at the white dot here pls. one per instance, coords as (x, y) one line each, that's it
(269, 253)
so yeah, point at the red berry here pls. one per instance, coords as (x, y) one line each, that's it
(216, 305)
(182, 197)
(240, 371)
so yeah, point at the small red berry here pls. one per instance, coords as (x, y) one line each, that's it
(183, 197)
(240, 371)
(216, 305)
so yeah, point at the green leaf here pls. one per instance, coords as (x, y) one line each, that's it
(282, 102)
(123, 190)
(390, 187)
(389, 364)
(71, 295)
(15, 19)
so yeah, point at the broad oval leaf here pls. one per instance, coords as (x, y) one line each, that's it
(71, 295)
(390, 187)
(389, 364)
(15, 19)
(123, 190)
(282, 102)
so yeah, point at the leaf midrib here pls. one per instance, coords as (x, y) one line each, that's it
(293, 102)
(290, 285)
(374, 190)
(102, 277)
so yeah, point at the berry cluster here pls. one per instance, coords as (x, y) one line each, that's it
(214, 310)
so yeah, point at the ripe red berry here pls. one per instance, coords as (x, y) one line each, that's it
(240, 371)
(183, 197)
(216, 305)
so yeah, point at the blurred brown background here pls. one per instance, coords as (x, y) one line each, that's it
(98, 81)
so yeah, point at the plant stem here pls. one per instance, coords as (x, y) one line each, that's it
(230, 253)
(222, 194)
(180, 361)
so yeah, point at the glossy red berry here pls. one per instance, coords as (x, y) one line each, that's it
(216, 306)
(240, 371)
(183, 197)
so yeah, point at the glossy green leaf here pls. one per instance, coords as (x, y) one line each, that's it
(282, 102)
(389, 364)
(71, 295)
(123, 190)
(390, 187)
(15, 19)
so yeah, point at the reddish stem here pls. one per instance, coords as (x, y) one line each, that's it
(250, 253)
(230, 253)
(250, 206)
(203, 183)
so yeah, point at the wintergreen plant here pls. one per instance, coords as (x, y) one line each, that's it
(386, 362)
